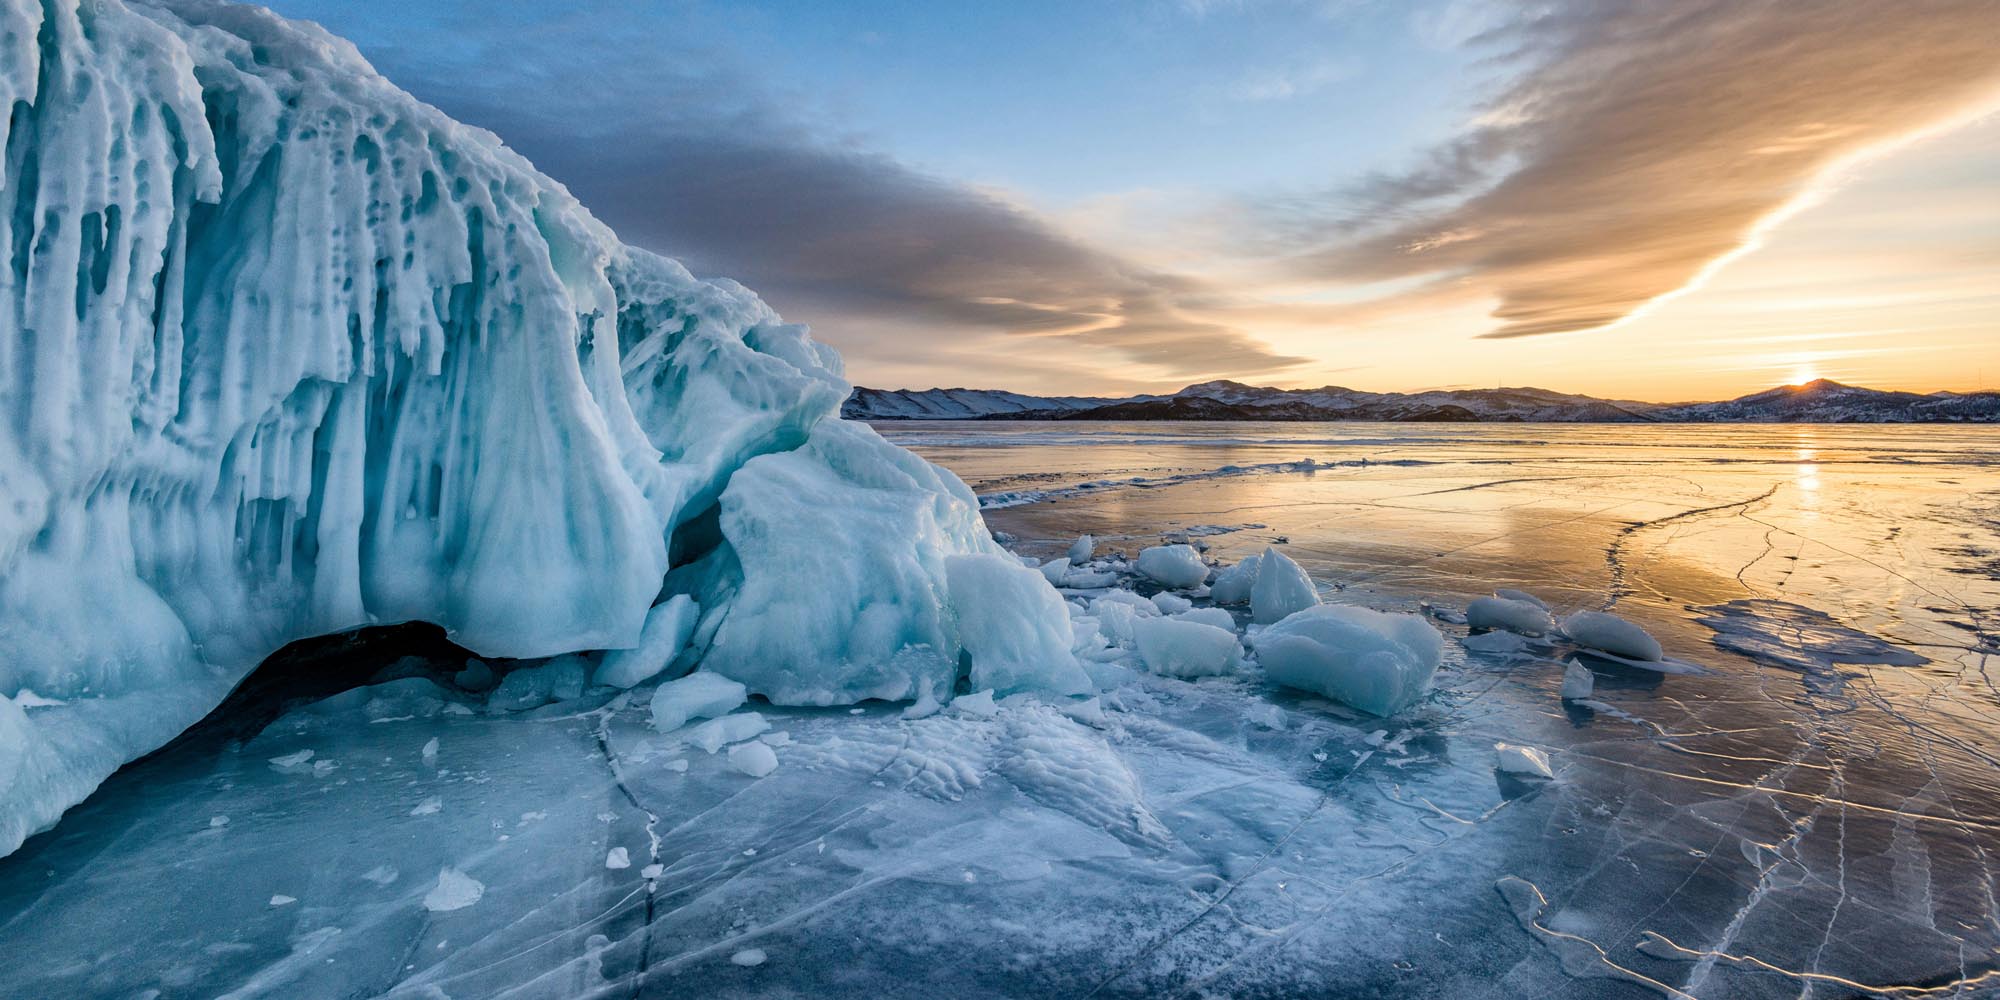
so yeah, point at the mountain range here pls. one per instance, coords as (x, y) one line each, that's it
(1819, 401)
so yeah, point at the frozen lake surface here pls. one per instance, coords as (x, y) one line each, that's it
(1815, 815)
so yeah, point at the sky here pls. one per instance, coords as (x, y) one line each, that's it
(1644, 199)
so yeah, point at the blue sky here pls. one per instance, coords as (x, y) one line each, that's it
(1134, 195)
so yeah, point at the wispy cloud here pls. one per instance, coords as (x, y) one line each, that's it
(1636, 143)
(699, 161)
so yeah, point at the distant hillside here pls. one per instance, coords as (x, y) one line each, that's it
(1821, 401)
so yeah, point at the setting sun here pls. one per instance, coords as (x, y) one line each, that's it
(1804, 372)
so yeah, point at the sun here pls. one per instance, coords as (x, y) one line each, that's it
(1803, 372)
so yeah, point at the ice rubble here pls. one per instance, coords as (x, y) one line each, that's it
(286, 352)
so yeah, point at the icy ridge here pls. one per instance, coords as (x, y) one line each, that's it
(285, 352)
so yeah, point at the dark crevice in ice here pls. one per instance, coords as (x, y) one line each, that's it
(313, 669)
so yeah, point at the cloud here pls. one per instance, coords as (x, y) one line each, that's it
(694, 157)
(1635, 144)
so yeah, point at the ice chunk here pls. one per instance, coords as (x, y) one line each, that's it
(1496, 612)
(1282, 588)
(715, 734)
(617, 858)
(560, 679)
(1081, 549)
(1174, 648)
(455, 890)
(1115, 623)
(476, 676)
(1378, 662)
(1525, 762)
(283, 900)
(1079, 580)
(1171, 604)
(1520, 595)
(1235, 584)
(699, 695)
(1139, 605)
(1578, 681)
(428, 806)
(755, 758)
(1612, 634)
(1014, 628)
(1209, 616)
(667, 630)
(1054, 570)
(748, 957)
(430, 751)
(1175, 566)
(1504, 643)
(978, 703)
(292, 761)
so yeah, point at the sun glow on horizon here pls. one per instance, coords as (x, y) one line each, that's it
(1804, 371)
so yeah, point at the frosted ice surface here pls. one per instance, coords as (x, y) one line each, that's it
(1282, 588)
(1612, 634)
(699, 695)
(1176, 566)
(1511, 614)
(1378, 662)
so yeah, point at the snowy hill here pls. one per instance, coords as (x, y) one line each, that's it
(953, 404)
(287, 352)
(1828, 402)
(1816, 402)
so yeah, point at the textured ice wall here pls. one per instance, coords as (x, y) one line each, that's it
(284, 351)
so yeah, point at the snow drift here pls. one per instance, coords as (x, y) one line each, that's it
(286, 352)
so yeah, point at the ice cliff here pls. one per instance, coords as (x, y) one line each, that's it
(284, 352)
